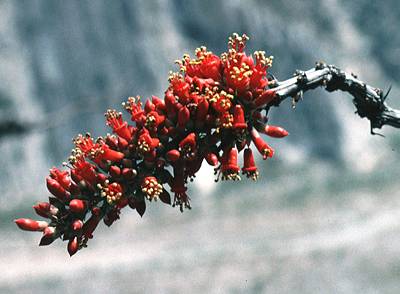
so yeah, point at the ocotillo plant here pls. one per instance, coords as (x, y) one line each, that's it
(215, 107)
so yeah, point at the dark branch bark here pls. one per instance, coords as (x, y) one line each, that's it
(369, 101)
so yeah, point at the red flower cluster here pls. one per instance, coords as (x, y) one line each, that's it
(211, 111)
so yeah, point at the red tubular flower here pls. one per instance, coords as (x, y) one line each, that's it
(211, 67)
(183, 117)
(275, 131)
(237, 66)
(122, 143)
(83, 169)
(201, 84)
(56, 189)
(28, 224)
(207, 65)
(149, 106)
(84, 144)
(146, 143)
(134, 107)
(249, 168)
(179, 87)
(265, 150)
(73, 246)
(159, 104)
(119, 126)
(187, 146)
(238, 118)
(151, 188)
(62, 177)
(96, 151)
(266, 97)
(229, 166)
(106, 153)
(258, 76)
(154, 119)
(77, 206)
(170, 104)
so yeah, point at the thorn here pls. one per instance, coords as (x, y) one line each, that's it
(387, 93)
(273, 77)
(373, 133)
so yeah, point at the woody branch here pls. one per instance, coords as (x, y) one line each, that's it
(369, 101)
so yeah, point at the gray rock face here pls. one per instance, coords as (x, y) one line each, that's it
(326, 213)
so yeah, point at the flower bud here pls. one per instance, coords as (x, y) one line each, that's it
(173, 155)
(45, 209)
(73, 246)
(48, 236)
(114, 171)
(229, 166)
(275, 131)
(129, 173)
(77, 225)
(28, 224)
(77, 205)
(212, 159)
(149, 106)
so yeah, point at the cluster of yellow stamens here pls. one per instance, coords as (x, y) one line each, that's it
(230, 176)
(201, 54)
(223, 99)
(143, 147)
(132, 104)
(151, 188)
(175, 76)
(262, 59)
(225, 121)
(76, 155)
(150, 121)
(251, 174)
(237, 42)
(112, 192)
(113, 117)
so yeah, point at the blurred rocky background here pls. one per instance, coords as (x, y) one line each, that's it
(323, 218)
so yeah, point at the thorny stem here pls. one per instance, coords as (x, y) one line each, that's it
(369, 101)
